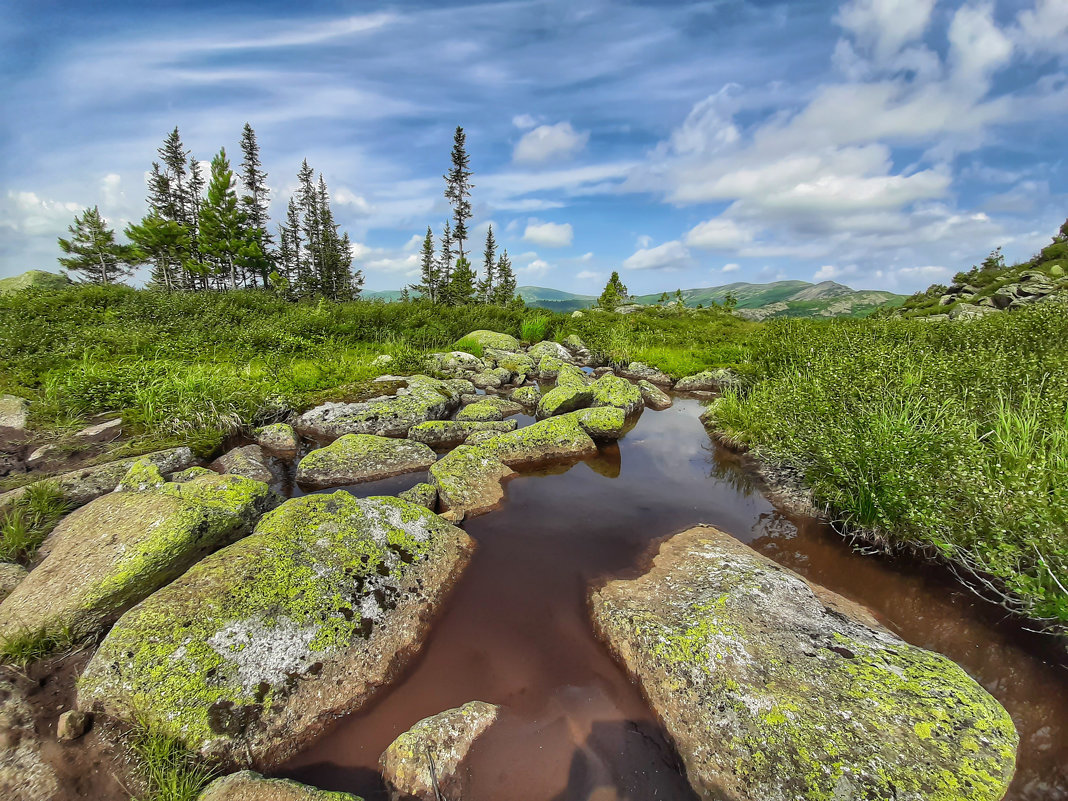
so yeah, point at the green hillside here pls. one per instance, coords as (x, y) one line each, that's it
(34, 279)
(789, 299)
(555, 300)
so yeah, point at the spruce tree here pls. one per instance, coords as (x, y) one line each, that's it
(504, 292)
(428, 270)
(458, 189)
(297, 271)
(445, 262)
(93, 252)
(308, 203)
(489, 266)
(223, 234)
(615, 292)
(165, 244)
(462, 283)
(255, 200)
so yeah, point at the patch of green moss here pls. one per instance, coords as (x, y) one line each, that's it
(611, 390)
(561, 400)
(493, 339)
(602, 423)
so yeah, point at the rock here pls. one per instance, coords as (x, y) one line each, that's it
(447, 738)
(527, 396)
(774, 688)
(450, 433)
(548, 348)
(653, 396)
(637, 370)
(555, 439)
(25, 773)
(143, 475)
(966, 311)
(72, 724)
(628, 308)
(708, 381)
(561, 400)
(278, 438)
(947, 300)
(454, 364)
(261, 646)
(574, 343)
(382, 361)
(14, 415)
(492, 339)
(468, 480)
(577, 315)
(10, 577)
(934, 318)
(421, 494)
(1005, 296)
(190, 473)
(41, 455)
(489, 408)
(517, 365)
(249, 461)
(423, 399)
(571, 376)
(548, 367)
(603, 424)
(246, 785)
(119, 549)
(600, 371)
(355, 458)
(611, 390)
(486, 380)
(101, 432)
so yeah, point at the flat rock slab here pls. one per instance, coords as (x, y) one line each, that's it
(101, 432)
(355, 458)
(450, 433)
(422, 399)
(446, 738)
(249, 461)
(247, 785)
(258, 648)
(119, 549)
(14, 415)
(773, 688)
(654, 397)
(561, 400)
(469, 480)
(278, 438)
(488, 409)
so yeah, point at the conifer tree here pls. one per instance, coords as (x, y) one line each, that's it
(255, 200)
(458, 189)
(165, 244)
(296, 267)
(615, 292)
(308, 203)
(223, 235)
(504, 292)
(428, 270)
(93, 252)
(445, 262)
(462, 283)
(489, 267)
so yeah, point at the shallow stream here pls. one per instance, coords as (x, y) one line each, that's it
(516, 630)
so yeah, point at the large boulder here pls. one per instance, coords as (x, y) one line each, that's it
(278, 438)
(246, 785)
(422, 399)
(603, 424)
(14, 415)
(488, 409)
(446, 739)
(611, 390)
(450, 433)
(561, 400)
(249, 461)
(493, 339)
(774, 688)
(548, 348)
(261, 646)
(638, 371)
(355, 458)
(654, 397)
(454, 364)
(468, 480)
(707, 381)
(549, 366)
(119, 549)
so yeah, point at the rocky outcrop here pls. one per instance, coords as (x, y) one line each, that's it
(707, 381)
(517, 365)
(278, 438)
(450, 433)
(446, 739)
(611, 390)
(422, 399)
(1028, 287)
(355, 458)
(260, 646)
(493, 339)
(246, 785)
(488, 409)
(119, 549)
(653, 397)
(638, 371)
(773, 688)
(249, 461)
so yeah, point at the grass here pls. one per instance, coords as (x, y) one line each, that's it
(30, 519)
(949, 437)
(171, 772)
(467, 345)
(535, 329)
(30, 645)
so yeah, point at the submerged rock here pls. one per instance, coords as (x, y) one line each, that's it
(450, 433)
(611, 390)
(446, 738)
(422, 399)
(262, 645)
(247, 785)
(493, 339)
(654, 397)
(489, 408)
(773, 688)
(355, 458)
(119, 549)
(278, 438)
(249, 461)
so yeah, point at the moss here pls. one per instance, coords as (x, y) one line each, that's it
(528, 396)
(549, 366)
(561, 400)
(469, 478)
(191, 473)
(611, 390)
(568, 375)
(449, 433)
(363, 457)
(493, 339)
(141, 476)
(555, 438)
(602, 423)
(227, 637)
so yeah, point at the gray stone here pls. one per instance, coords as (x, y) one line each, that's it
(355, 458)
(653, 396)
(72, 724)
(450, 433)
(247, 785)
(637, 370)
(10, 577)
(101, 432)
(249, 461)
(422, 494)
(14, 415)
(278, 438)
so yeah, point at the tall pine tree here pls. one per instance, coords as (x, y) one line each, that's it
(458, 189)
(255, 200)
(428, 270)
(489, 268)
(445, 262)
(462, 283)
(504, 292)
(93, 252)
(163, 243)
(223, 234)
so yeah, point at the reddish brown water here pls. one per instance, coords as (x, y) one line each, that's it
(516, 631)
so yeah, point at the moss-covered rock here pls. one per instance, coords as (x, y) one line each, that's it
(555, 439)
(527, 396)
(454, 364)
(518, 365)
(278, 438)
(604, 423)
(422, 494)
(571, 376)
(653, 396)
(637, 371)
(468, 480)
(249, 461)
(446, 738)
(143, 475)
(119, 549)
(423, 399)
(355, 458)
(707, 381)
(548, 367)
(189, 474)
(260, 646)
(450, 433)
(493, 339)
(574, 343)
(611, 390)
(547, 347)
(773, 688)
(247, 785)
(489, 408)
(561, 400)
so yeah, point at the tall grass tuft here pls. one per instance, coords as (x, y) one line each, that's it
(171, 771)
(29, 520)
(535, 329)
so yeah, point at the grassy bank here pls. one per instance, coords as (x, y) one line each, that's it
(950, 436)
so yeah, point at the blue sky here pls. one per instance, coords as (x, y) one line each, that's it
(880, 143)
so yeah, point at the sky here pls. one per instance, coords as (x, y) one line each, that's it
(880, 143)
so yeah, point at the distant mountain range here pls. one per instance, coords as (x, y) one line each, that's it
(757, 301)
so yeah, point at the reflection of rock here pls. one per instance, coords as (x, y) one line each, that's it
(260, 646)
(246, 785)
(760, 677)
(607, 462)
(442, 740)
(355, 458)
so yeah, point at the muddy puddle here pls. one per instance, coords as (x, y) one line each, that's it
(516, 632)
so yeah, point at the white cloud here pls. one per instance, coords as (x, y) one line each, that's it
(524, 121)
(730, 268)
(415, 243)
(885, 25)
(550, 142)
(1044, 28)
(718, 234)
(29, 214)
(977, 47)
(588, 275)
(671, 255)
(644, 241)
(829, 272)
(550, 235)
(358, 203)
(536, 268)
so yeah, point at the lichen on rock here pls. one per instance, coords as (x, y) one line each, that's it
(527, 396)
(654, 397)
(611, 390)
(489, 408)
(468, 480)
(355, 458)
(561, 400)
(493, 339)
(450, 433)
(248, 460)
(278, 438)
(247, 785)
